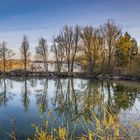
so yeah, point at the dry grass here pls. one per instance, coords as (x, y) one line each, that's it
(106, 128)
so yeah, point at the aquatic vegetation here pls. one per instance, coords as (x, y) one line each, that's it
(106, 127)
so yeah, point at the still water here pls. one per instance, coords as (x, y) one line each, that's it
(27, 102)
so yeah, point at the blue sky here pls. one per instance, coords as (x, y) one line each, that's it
(45, 17)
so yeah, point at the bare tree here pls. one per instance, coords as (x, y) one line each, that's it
(111, 32)
(42, 52)
(76, 46)
(5, 54)
(24, 50)
(70, 38)
(58, 49)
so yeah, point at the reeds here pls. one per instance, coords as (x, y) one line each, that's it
(105, 127)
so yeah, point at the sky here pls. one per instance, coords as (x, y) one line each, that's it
(36, 18)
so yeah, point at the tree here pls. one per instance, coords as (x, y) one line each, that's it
(103, 54)
(42, 52)
(70, 38)
(58, 49)
(134, 49)
(76, 45)
(126, 48)
(111, 33)
(122, 49)
(24, 50)
(91, 45)
(5, 54)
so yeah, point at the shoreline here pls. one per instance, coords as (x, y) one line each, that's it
(82, 75)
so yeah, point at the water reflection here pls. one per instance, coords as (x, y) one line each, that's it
(66, 98)
(42, 97)
(5, 94)
(25, 96)
(125, 96)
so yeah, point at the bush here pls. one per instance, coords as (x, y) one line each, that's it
(134, 67)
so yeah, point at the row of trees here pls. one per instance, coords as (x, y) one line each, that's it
(99, 48)
(102, 48)
(41, 51)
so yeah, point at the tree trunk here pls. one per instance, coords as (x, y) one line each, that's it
(102, 67)
(59, 66)
(4, 65)
(46, 66)
(109, 65)
(72, 67)
(25, 64)
(90, 66)
(68, 66)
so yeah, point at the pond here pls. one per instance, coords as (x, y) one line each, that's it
(25, 102)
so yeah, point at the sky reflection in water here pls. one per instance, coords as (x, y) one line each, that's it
(28, 101)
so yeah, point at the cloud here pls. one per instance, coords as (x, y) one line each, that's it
(48, 21)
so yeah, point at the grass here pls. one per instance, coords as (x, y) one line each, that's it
(108, 127)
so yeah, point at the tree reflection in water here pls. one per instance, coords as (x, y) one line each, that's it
(42, 97)
(5, 94)
(71, 101)
(33, 82)
(25, 95)
(91, 95)
(125, 96)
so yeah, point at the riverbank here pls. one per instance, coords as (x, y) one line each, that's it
(82, 75)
